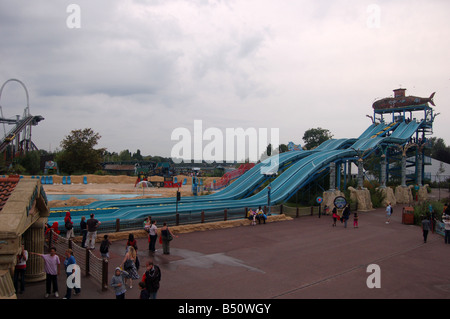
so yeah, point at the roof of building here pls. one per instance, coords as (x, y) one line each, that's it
(7, 185)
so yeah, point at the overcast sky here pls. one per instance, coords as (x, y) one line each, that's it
(134, 71)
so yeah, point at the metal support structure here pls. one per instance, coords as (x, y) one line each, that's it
(360, 174)
(332, 176)
(383, 171)
(403, 171)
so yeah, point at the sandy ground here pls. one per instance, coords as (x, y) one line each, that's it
(113, 185)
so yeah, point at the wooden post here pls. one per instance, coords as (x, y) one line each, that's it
(87, 262)
(104, 275)
(203, 216)
(297, 213)
(225, 214)
(312, 210)
(177, 219)
(50, 239)
(117, 225)
(281, 209)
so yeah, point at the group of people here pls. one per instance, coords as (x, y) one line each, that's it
(52, 271)
(429, 220)
(257, 215)
(124, 274)
(165, 237)
(148, 285)
(128, 271)
(345, 216)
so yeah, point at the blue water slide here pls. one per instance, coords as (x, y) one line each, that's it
(299, 170)
(242, 187)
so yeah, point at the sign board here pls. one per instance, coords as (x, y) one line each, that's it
(340, 202)
(319, 200)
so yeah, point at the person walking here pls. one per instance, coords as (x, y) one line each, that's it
(129, 265)
(346, 215)
(68, 225)
(83, 229)
(131, 242)
(70, 260)
(52, 270)
(92, 225)
(426, 227)
(446, 220)
(166, 238)
(335, 216)
(104, 247)
(152, 235)
(355, 220)
(388, 213)
(19, 270)
(151, 278)
(118, 283)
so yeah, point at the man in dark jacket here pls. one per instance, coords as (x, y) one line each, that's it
(151, 277)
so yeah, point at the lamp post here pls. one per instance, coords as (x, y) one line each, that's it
(269, 190)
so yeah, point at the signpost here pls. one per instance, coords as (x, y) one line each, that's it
(319, 201)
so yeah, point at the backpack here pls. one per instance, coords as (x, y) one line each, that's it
(68, 225)
(104, 247)
(392, 210)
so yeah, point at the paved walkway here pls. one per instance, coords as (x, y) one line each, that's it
(302, 258)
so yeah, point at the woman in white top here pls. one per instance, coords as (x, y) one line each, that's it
(152, 236)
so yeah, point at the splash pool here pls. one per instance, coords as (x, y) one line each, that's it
(51, 197)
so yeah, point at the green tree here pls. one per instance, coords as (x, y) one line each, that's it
(316, 136)
(31, 161)
(78, 153)
(440, 151)
(137, 156)
(125, 156)
(283, 148)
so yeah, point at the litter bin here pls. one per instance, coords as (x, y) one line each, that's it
(408, 215)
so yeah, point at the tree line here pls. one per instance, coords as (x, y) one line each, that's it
(79, 153)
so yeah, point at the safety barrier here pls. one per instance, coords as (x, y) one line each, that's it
(96, 267)
(91, 265)
(195, 217)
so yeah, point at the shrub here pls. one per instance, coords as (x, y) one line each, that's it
(423, 209)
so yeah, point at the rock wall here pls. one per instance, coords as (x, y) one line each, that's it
(362, 197)
(422, 193)
(403, 195)
(329, 196)
(389, 196)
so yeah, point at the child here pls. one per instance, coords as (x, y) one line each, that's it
(335, 216)
(144, 292)
(118, 283)
(104, 247)
(355, 220)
